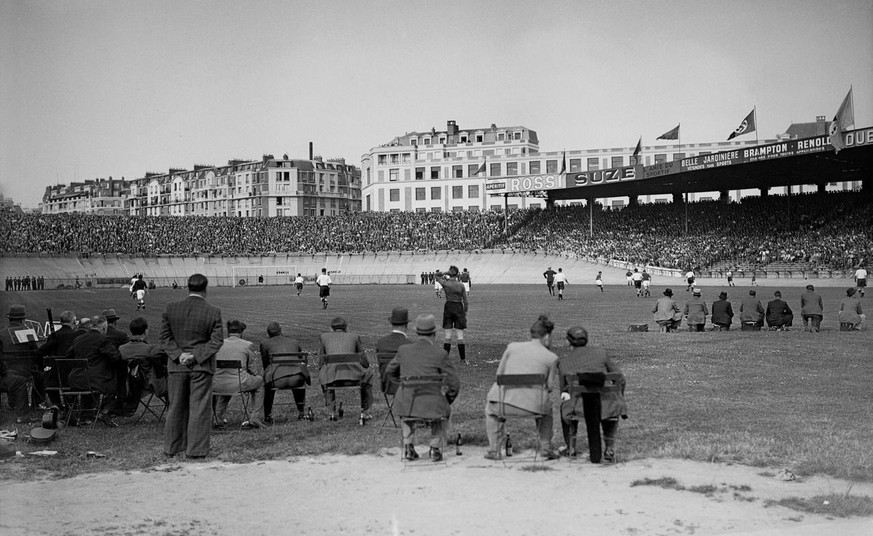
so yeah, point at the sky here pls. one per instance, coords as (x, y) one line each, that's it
(93, 89)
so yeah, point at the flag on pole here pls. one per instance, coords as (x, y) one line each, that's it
(842, 120)
(563, 162)
(638, 150)
(747, 126)
(482, 167)
(670, 134)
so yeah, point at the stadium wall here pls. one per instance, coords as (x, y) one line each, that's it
(390, 267)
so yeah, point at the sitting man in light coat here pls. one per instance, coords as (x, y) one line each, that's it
(531, 357)
(667, 313)
(696, 311)
(851, 312)
(250, 378)
(423, 358)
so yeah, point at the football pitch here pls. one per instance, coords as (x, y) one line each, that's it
(778, 399)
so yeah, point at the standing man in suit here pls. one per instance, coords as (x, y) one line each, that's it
(424, 358)
(340, 341)
(778, 314)
(531, 357)
(389, 344)
(191, 335)
(282, 376)
(811, 309)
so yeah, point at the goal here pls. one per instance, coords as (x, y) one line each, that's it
(263, 275)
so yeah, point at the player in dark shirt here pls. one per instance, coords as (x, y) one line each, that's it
(455, 310)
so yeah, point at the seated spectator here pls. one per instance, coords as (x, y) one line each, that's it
(15, 387)
(600, 410)
(103, 359)
(423, 358)
(722, 313)
(295, 378)
(696, 311)
(340, 341)
(850, 310)
(531, 357)
(248, 380)
(57, 344)
(390, 343)
(778, 314)
(667, 313)
(151, 361)
(751, 311)
(811, 310)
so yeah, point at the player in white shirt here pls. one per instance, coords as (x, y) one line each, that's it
(323, 281)
(598, 280)
(637, 278)
(298, 282)
(861, 279)
(560, 281)
(689, 278)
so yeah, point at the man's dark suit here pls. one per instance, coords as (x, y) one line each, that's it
(56, 344)
(779, 314)
(389, 345)
(193, 326)
(283, 377)
(722, 313)
(103, 359)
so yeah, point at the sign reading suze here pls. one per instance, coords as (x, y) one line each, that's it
(626, 173)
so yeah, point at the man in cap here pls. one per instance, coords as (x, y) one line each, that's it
(751, 312)
(341, 341)
(115, 335)
(18, 346)
(696, 311)
(851, 312)
(778, 314)
(248, 380)
(722, 313)
(282, 376)
(424, 358)
(454, 311)
(191, 335)
(389, 344)
(600, 410)
(667, 313)
(811, 309)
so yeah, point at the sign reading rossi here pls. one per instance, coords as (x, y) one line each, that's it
(524, 184)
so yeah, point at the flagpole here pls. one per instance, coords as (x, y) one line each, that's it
(755, 109)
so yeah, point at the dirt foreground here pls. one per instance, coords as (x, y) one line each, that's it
(378, 495)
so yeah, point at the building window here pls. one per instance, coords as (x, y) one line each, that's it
(413, 142)
(593, 164)
(660, 158)
(617, 161)
(427, 141)
(516, 135)
(473, 191)
(419, 173)
(575, 165)
(495, 170)
(436, 209)
(471, 169)
(678, 156)
(420, 194)
(457, 209)
(479, 138)
(457, 172)
(393, 175)
(383, 159)
(463, 138)
(511, 168)
(534, 167)
(435, 172)
(457, 192)
(421, 209)
(435, 192)
(394, 194)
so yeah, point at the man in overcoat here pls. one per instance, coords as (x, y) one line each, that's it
(390, 343)
(103, 363)
(778, 314)
(282, 376)
(722, 313)
(811, 309)
(424, 358)
(751, 311)
(340, 341)
(667, 313)
(248, 380)
(851, 312)
(191, 335)
(696, 311)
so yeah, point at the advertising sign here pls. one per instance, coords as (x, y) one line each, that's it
(528, 183)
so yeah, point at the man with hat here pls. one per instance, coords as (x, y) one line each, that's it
(851, 312)
(696, 311)
(779, 316)
(112, 332)
(117, 338)
(191, 334)
(249, 379)
(340, 341)
(424, 358)
(389, 344)
(811, 309)
(667, 313)
(15, 345)
(284, 376)
(722, 313)
(600, 410)
(751, 312)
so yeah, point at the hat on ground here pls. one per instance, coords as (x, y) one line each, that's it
(722, 295)
(16, 312)
(577, 336)
(338, 322)
(110, 315)
(425, 325)
(399, 316)
(236, 326)
(668, 292)
(850, 291)
(696, 292)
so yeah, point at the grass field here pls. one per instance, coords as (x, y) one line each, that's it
(779, 399)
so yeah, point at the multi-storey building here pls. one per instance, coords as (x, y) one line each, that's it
(100, 196)
(265, 188)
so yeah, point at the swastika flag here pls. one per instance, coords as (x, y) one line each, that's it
(747, 126)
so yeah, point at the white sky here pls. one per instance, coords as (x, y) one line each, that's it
(117, 88)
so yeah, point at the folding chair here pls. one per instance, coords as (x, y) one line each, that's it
(389, 387)
(230, 364)
(64, 368)
(519, 381)
(583, 383)
(347, 360)
(137, 373)
(296, 361)
(422, 387)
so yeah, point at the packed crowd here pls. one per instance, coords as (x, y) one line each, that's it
(827, 230)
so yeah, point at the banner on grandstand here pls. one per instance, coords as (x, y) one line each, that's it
(530, 183)
(604, 176)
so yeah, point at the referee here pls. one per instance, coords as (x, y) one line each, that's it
(455, 311)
